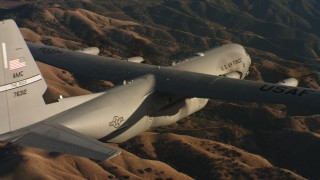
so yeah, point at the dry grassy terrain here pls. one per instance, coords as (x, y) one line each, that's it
(225, 140)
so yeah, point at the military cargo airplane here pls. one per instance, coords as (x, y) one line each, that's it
(145, 96)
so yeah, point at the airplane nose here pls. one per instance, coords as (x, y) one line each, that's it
(246, 63)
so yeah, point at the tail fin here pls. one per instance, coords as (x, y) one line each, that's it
(21, 83)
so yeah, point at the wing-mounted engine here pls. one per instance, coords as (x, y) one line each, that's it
(178, 111)
(90, 50)
(289, 82)
(234, 75)
(136, 59)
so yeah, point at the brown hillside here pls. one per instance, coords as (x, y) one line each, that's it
(281, 36)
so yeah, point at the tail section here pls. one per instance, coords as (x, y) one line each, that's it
(21, 83)
(21, 103)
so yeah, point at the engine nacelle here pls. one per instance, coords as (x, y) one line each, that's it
(136, 59)
(178, 111)
(289, 82)
(199, 54)
(90, 50)
(234, 75)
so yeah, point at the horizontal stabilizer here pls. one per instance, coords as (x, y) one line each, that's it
(54, 137)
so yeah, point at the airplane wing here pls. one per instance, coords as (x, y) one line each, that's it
(175, 81)
(217, 87)
(58, 138)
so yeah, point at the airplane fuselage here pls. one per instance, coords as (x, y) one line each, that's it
(127, 110)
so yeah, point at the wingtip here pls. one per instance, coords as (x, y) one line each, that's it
(114, 154)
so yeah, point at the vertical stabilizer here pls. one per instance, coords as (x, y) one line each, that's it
(21, 83)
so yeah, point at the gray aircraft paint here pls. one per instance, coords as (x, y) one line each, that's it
(22, 88)
(13, 89)
(95, 117)
(25, 118)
